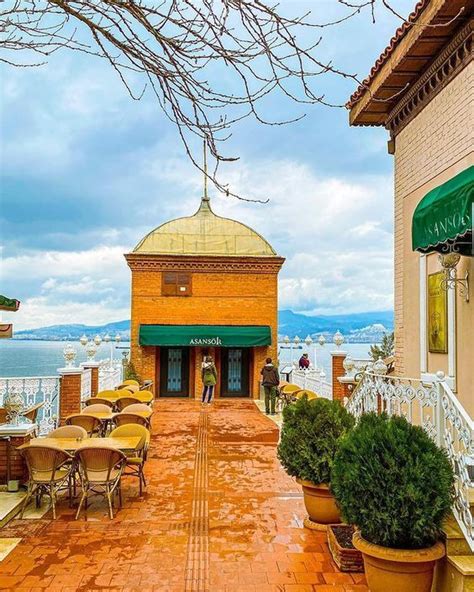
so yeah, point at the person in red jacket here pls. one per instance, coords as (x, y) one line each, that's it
(304, 362)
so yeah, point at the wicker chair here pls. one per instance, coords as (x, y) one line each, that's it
(124, 402)
(68, 431)
(92, 425)
(130, 381)
(133, 388)
(97, 408)
(99, 401)
(49, 470)
(126, 418)
(100, 470)
(145, 396)
(106, 395)
(136, 460)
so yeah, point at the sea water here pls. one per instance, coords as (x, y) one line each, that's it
(43, 358)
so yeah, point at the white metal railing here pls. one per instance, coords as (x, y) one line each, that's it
(110, 374)
(311, 379)
(86, 384)
(35, 390)
(436, 408)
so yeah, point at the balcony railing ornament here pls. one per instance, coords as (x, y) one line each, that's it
(69, 354)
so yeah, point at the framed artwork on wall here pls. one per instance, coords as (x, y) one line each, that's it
(437, 314)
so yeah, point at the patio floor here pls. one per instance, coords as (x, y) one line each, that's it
(219, 515)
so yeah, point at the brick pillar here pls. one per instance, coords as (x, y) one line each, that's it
(10, 438)
(94, 367)
(338, 389)
(70, 392)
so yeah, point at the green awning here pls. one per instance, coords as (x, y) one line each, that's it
(10, 304)
(444, 217)
(205, 335)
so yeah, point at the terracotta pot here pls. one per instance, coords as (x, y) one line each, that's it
(320, 503)
(398, 570)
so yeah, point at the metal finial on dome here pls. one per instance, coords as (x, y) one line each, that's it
(205, 196)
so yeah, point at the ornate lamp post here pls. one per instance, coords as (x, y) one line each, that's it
(338, 339)
(309, 342)
(107, 339)
(69, 354)
(296, 341)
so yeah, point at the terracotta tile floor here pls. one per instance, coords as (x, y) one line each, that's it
(219, 515)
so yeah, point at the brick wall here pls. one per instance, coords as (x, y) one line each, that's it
(70, 395)
(433, 147)
(18, 469)
(234, 298)
(339, 391)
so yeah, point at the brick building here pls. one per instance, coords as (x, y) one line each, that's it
(421, 90)
(201, 285)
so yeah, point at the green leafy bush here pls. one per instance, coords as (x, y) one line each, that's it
(309, 438)
(130, 373)
(392, 482)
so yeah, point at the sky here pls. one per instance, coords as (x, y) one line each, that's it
(86, 172)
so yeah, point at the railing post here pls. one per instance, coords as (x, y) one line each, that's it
(338, 389)
(94, 368)
(69, 391)
(440, 425)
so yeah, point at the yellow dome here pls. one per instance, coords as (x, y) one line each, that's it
(205, 233)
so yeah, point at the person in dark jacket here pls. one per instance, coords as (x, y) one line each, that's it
(304, 362)
(209, 378)
(270, 382)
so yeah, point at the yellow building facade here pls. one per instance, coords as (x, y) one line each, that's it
(203, 285)
(422, 91)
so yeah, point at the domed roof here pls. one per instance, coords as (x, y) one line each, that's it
(205, 233)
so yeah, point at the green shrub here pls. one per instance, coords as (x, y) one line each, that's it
(130, 373)
(392, 482)
(309, 438)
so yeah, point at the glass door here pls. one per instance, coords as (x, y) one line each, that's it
(174, 372)
(235, 372)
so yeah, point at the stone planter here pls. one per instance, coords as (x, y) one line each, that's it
(398, 570)
(320, 505)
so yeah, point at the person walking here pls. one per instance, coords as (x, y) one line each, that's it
(209, 378)
(270, 382)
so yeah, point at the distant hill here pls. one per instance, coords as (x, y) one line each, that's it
(74, 332)
(365, 327)
(359, 327)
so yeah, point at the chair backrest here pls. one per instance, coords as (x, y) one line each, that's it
(99, 400)
(89, 423)
(68, 431)
(125, 418)
(290, 388)
(41, 459)
(124, 402)
(133, 430)
(97, 408)
(310, 394)
(144, 396)
(107, 394)
(99, 462)
(137, 407)
(131, 381)
(32, 412)
(133, 388)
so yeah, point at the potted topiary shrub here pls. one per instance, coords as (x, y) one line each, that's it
(309, 438)
(396, 486)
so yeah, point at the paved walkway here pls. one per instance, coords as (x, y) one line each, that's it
(219, 515)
